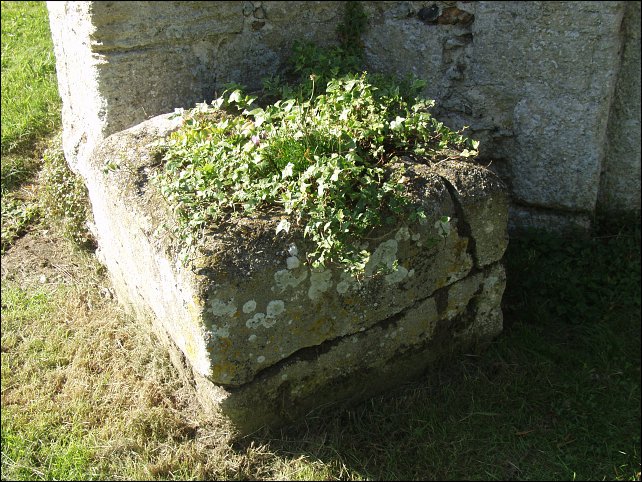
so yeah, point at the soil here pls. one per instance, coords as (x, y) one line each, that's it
(42, 256)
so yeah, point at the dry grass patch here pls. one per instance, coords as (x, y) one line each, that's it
(73, 364)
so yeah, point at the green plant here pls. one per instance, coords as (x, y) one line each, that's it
(319, 147)
(325, 163)
(64, 196)
(17, 215)
(308, 60)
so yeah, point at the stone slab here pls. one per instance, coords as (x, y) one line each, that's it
(267, 336)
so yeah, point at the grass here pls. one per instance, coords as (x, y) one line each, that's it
(30, 101)
(88, 393)
(30, 110)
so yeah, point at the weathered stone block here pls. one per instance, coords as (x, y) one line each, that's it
(267, 337)
(482, 205)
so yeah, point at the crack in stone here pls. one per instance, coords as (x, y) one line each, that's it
(315, 351)
(463, 227)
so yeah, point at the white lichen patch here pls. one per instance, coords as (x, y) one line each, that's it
(249, 306)
(346, 282)
(218, 332)
(252, 338)
(343, 287)
(293, 262)
(275, 308)
(221, 308)
(396, 276)
(260, 359)
(416, 238)
(268, 322)
(385, 254)
(320, 282)
(490, 282)
(267, 319)
(403, 234)
(256, 321)
(285, 279)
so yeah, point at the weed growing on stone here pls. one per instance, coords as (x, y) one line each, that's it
(89, 394)
(326, 160)
(323, 148)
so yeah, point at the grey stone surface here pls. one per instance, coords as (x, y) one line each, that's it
(265, 336)
(620, 189)
(535, 81)
(481, 201)
(559, 62)
(523, 218)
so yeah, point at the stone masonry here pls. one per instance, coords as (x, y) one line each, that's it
(551, 89)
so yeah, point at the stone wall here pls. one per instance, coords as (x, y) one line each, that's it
(620, 188)
(552, 89)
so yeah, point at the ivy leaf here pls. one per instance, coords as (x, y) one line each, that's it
(397, 123)
(217, 103)
(235, 96)
(287, 172)
(350, 85)
(284, 225)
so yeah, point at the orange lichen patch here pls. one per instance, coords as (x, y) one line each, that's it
(224, 344)
(455, 16)
(223, 370)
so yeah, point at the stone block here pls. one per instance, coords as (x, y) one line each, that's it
(482, 205)
(266, 337)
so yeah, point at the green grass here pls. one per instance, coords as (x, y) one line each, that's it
(556, 396)
(87, 393)
(40, 439)
(30, 110)
(30, 101)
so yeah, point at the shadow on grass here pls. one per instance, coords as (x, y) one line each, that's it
(556, 396)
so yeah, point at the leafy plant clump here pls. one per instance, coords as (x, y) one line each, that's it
(64, 196)
(320, 160)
